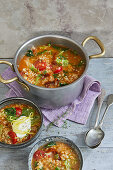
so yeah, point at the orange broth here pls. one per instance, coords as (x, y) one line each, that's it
(51, 66)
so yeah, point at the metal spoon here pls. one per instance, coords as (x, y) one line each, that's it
(94, 136)
(100, 101)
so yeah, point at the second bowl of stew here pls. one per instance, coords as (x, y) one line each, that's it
(20, 122)
(55, 153)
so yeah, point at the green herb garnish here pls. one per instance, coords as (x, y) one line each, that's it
(55, 75)
(52, 143)
(37, 78)
(59, 48)
(75, 52)
(11, 114)
(57, 168)
(63, 84)
(33, 69)
(65, 62)
(35, 120)
(27, 111)
(49, 45)
(29, 53)
(65, 72)
(56, 156)
(62, 57)
(11, 118)
(41, 52)
(67, 163)
(45, 72)
(36, 163)
(81, 63)
(62, 60)
(10, 111)
(65, 125)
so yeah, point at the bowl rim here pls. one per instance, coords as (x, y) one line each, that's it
(50, 36)
(32, 140)
(52, 138)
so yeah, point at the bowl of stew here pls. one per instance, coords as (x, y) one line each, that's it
(20, 122)
(55, 153)
(52, 69)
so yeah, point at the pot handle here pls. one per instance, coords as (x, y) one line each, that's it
(13, 79)
(100, 44)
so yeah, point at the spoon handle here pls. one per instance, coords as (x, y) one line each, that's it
(101, 121)
(100, 101)
(109, 103)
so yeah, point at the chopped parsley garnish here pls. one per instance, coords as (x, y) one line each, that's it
(36, 163)
(65, 71)
(49, 45)
(35, 120)
(10, 111)
(65, 62)
(62, 84)
(41, 52)
(59, 48)
(11, 114)
(45, 72)
(62, 60)
(56, 156)
(67, 163)
(55, 75)
(27, 111)
(81, 63)
(32, 68)
(37, 78)
(75, 52)
(65, 125)
(52, 143)
(62, 57)
(57, 168)
(29, 53)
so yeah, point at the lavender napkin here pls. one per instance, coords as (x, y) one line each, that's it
(78, 111)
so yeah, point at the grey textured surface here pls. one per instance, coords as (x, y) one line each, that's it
(21, 20)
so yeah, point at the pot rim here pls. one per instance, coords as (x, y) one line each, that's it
(50, 36)
(52, 138)
(30, 141)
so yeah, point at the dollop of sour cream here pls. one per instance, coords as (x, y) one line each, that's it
(21, 126)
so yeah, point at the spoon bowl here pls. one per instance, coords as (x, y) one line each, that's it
(94, 137)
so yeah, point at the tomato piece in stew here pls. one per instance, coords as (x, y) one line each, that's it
(51, 66)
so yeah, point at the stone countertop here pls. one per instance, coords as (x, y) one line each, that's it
(77, 19)
(21, 20)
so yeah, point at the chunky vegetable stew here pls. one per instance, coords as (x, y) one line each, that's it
(18, 123)
(55, 156)
(51, 66)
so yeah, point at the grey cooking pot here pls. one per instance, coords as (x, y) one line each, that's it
(54, 138)
(52, 97)
(21, 101)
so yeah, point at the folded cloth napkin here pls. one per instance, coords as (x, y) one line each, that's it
(78, 111)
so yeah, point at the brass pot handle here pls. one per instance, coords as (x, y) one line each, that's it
(100, 44)
(13, 79)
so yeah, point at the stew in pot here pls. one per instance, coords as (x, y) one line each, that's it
(51, 66)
